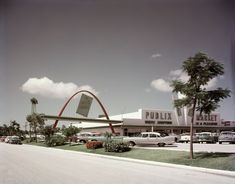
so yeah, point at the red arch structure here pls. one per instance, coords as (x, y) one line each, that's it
(99, 102)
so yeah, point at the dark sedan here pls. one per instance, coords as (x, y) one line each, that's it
(14, 140)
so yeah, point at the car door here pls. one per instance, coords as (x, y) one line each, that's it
(153, 138)
(144, 138)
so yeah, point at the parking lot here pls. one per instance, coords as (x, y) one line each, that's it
(220, 148)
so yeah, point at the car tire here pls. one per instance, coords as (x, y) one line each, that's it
(161, 144)
(131, 144)
(220, 142)
(82, 141)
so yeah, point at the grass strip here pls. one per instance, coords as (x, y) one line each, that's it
(221, 161)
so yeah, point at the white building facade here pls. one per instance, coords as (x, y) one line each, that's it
(175, 121)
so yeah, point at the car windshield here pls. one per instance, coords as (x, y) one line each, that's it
(227, 133)
(204, 134)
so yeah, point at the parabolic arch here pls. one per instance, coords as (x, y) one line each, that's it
(97, 99)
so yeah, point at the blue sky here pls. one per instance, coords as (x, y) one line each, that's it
(126, 52)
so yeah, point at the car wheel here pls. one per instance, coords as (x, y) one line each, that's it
(220, 142)
(131, 144)
(161, 144)
(82, 141)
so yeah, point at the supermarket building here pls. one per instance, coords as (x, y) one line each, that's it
(176, 121)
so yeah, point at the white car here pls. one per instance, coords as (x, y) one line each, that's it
(184, 137)
(89, 136)
(150, 138)
(227, 136)
(7, 139)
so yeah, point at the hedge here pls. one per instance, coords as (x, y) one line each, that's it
(94, 144)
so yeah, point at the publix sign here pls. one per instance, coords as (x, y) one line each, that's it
(157, 117)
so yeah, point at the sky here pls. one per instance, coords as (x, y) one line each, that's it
(125, 51)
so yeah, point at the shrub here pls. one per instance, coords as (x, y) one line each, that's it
(112, 146)
(73, 139)
(94, 144)
(55, 140)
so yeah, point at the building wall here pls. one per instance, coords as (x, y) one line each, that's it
(166, 121)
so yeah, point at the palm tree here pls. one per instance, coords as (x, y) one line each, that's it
(14, 128)
(6, 130)
(35, 120)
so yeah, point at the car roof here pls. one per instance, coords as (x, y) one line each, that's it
(151, 133)
(205, 133)
(230, 132)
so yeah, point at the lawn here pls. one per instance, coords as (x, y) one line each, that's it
(221, 161)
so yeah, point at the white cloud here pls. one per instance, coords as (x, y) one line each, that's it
(180, 96)
(178, 75)
(48, 88)
(161, 85)
(156, 55)
(211, 84)
(164, 84)
(175, 72)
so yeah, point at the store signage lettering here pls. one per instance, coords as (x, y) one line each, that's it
(164, 122)
(206, 117)
(158, 115)
(207, 123)
(226, 123)
(150, 122)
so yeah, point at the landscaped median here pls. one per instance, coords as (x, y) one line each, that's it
(221, 161)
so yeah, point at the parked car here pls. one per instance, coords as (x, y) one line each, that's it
(227, 136)
(206, 137)
(7, 139)
(40, 138)
(150, 138)
(15, 140)
(185, 137)
(177, 137)
(2, 139)
(89, 136)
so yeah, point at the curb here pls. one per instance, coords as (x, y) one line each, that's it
(154, 163)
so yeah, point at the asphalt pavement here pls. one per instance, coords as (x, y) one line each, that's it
(26, 164)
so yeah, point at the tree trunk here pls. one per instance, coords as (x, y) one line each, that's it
(30, 138)
(191, 130)
(35, 133)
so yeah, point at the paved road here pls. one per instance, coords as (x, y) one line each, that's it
(220, 148)
(25, 164)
